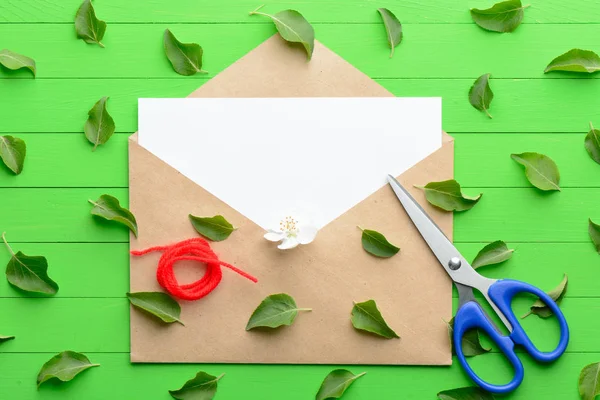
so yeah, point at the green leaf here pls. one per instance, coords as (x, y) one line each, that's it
(366, 317)
(505, 16)
(592, 143)
(471, 342)
(186, 58)
(594, 231)
(336, 383)
(109, 208)
(88, 27)
(99, 126)
(481, 95)
(575, 60)
(465, 393)
(448, 196)
(274, 311)
(393, 28)
(215, 228)
(494, 253)
(540, 309)
(12, 152)
(5, 338)
(376, 244)
(159, 304)
(29, 273)
(293, 27)
(14, 61)
(589, 381)
(540, 170)
(64, 366)
(201, 387)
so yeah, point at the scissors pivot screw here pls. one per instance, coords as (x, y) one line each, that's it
(454, 263)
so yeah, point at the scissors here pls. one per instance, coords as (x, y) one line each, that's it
(498, 293)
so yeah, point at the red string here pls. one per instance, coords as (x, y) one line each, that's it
(196, 249)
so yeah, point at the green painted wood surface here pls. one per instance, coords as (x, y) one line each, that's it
(236, 11)
(520, 105)
(45, 211)
(424, 52)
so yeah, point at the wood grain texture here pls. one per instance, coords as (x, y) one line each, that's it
(140, 382)
(520, 106)
(135, 50)
(45, 211)
(316, 11)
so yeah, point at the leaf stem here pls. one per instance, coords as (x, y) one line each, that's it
(220, 376)
(101, 45)
(360, 227)
(527, 6)
(591, 126)
(527, 314)
(256, 10)
(487, 112)
(359, 375)
(92, 202)
(7, 245)
(304, 309)
(260, 13)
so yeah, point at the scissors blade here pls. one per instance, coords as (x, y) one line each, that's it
(444, 251)
(439, 244)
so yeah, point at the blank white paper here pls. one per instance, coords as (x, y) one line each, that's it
(312, 158)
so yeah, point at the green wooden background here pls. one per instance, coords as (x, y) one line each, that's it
(45, 211)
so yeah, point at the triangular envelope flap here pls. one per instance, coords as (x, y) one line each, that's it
(273, 69)
(277, 69)
(411, 289)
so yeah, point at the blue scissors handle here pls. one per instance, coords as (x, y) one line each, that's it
(503, 291)
(472, 316)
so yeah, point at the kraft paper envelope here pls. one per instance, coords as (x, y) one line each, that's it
(411, 290)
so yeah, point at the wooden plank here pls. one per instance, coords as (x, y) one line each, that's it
(528, 215)
(102, 324)
(355, 11)
(57, 324)
(290, 382)
(543, 265)
(46, 165)
(80, 269)
(58, 215)
(474, 153)
(513, 214)
(136, 50)
(61, 105)
(100, 270)
(65, 160)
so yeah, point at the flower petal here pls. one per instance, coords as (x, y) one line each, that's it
(274, 236)
(306, 234)
(288, 243)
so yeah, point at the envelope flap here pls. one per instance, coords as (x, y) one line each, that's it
(277, 68)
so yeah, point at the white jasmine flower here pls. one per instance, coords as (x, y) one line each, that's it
(291, 234)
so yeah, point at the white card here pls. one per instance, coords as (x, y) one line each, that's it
(312, 158)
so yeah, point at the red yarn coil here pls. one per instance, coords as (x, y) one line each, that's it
(196, 249)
